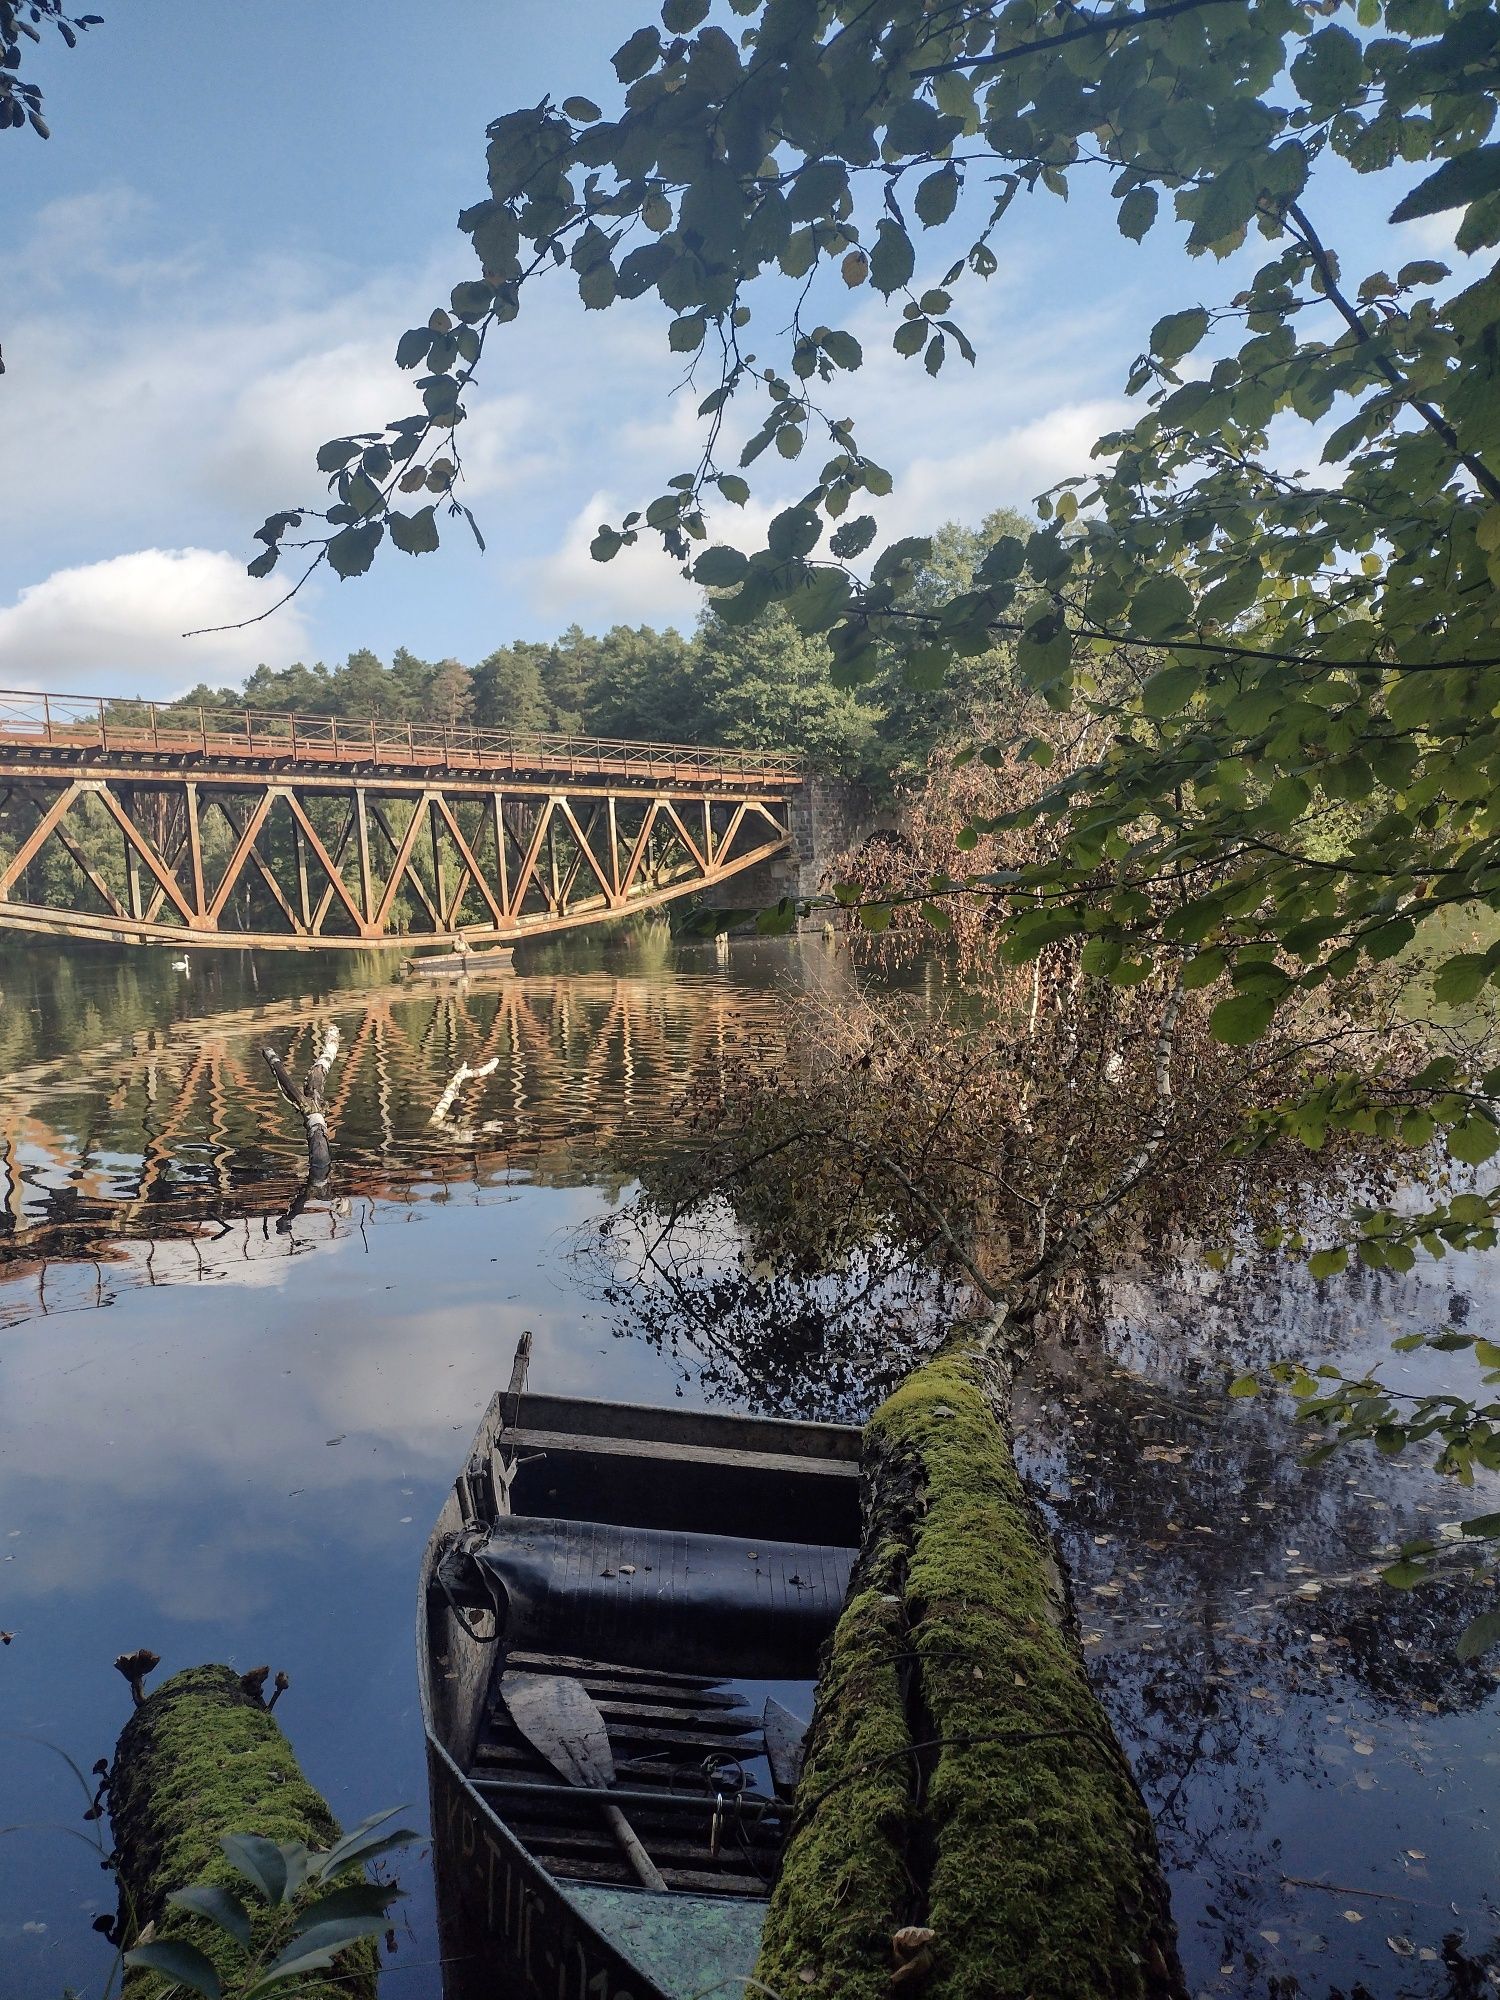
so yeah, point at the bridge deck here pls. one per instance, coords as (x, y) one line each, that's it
(72, 729)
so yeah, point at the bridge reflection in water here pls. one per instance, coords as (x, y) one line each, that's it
(169, 1154)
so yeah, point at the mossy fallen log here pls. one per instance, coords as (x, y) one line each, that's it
(202, 1757)
(967, 1825)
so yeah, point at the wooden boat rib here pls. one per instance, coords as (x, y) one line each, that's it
(679, 1567)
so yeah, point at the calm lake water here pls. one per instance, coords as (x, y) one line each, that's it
(227, 1423)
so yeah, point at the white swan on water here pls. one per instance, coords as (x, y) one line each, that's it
(180, 964)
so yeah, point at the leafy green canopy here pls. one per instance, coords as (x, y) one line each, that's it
(1306, 775)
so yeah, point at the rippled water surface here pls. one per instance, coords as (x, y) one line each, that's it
(229, 1413)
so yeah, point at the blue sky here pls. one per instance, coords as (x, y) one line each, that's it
(242, 207)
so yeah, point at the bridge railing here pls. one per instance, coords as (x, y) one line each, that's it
(126, 725)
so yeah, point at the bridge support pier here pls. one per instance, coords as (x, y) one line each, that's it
(827, 818)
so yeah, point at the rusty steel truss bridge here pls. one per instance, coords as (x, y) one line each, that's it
(142, 822)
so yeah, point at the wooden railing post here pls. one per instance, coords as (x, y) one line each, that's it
(47, 717)
(103, 727)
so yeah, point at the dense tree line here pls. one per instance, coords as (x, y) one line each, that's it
(765, 684)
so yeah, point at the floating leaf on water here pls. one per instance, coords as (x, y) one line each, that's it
(1354, 1916)
(1402, 1946)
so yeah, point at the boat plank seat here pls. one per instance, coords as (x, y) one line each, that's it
(757, 1487)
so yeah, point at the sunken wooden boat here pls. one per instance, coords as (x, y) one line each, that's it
(621, 1615)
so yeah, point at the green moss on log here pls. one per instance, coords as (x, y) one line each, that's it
(959, 1752)
(200, 1758)
(845, 1885)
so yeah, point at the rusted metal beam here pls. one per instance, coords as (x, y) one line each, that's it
(584, 837)
(471, 864)
(101, 888)
(195, 844)
(362, 839)
(299, 928)
(401, 851)
(243, 848)
(336, 884)
(147, 852)
(27, 852)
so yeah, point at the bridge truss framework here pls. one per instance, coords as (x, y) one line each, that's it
(212, 837)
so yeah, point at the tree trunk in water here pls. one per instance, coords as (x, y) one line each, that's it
(199, 1758)
(961, 1778)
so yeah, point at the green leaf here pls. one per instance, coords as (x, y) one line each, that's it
(470, 300)
(1483, 1527)
(336, 453)
(1243, 1018)
(893, 260)
(182, 1962)
(633, 58)
(1178, 334)
(1167, 691)
(778, 920)
(734, 489)
(720, 567)
(793, 532)
(1461, 978)
(854, 537)
(685, 335)
(1244, 1385)
(582, 110)
(1163, 604)
(261, 1862)
(1203, 968)
(361, 1843)
(1330, 68)
(411, 352)
(1328, 1263)
(843, 350)
(1137, 212)
(1479, 1635)
(315, 1949)
(354, 1899)
(937, 197)
(415, 534)
(263, 564)
(1473, 1140)
(1456, 182)
(1406, 1575)
(220, 1906)
(352, 550)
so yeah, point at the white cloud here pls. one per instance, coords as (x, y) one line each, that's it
(89, 626)
(643, 585)
(1008, 469)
